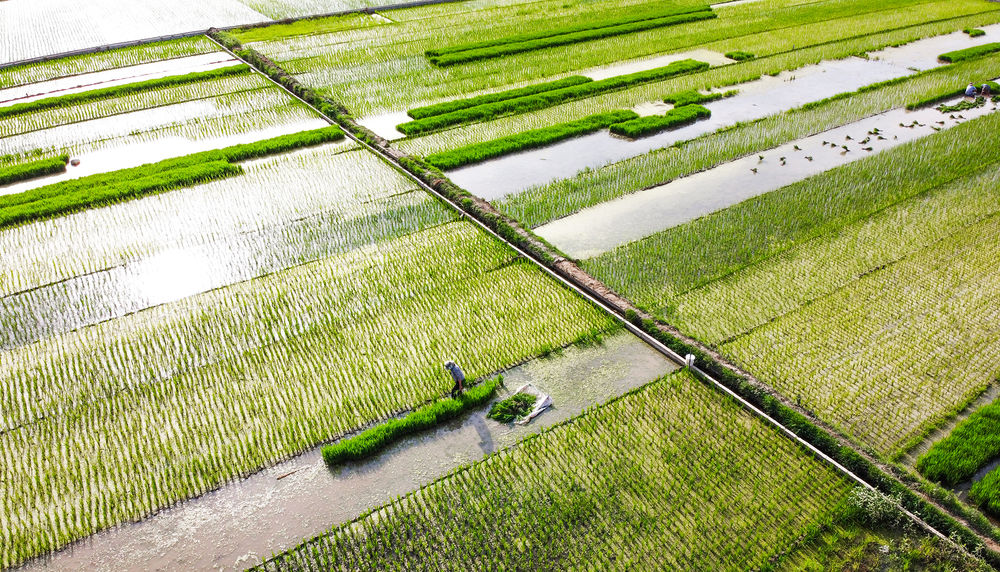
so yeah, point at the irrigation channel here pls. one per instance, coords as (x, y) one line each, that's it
(598, 229)
(757, 99)
(241, 523)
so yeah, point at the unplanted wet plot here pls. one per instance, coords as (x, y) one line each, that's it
(682, 459)
(224, 223)
(273, 510)
(598, 229)
(923, 54)
(499, 178)
(246, 375)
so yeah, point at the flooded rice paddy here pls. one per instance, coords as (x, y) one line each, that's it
(600, 228)
(275, 509)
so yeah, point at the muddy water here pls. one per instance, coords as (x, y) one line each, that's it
(118, 76)
(622, 68)
(757, 99)
(385, 125)
(275, 509)
(923, 54)
(603, 227)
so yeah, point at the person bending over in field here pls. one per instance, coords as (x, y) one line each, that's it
(971, 91)
(985, 91)
(457, 374)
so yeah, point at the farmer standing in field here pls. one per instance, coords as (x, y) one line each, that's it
(457, 374)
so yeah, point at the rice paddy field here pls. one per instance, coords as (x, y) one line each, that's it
(225, 251)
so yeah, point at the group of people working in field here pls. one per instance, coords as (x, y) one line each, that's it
(971, 90)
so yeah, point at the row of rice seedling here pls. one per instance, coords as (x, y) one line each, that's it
(896, 352)
(115, 421)
(647, 481)
(131, 102)
(106, 188)
(815, 268)
(30, 170)
(529, 139)
(105, 60)
(970, 53)
(375, 69)
(455, 105)
(986, 492)
(715, 77)
(649, 125)
(541, 40)
(327, 182)
(654, 269)
(77, 98)
(235, 116)
(544, 203)
(545, 99)
(969, 447)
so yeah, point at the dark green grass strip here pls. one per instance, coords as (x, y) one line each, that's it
(450, 106)
(969, 447)
(508, 48)
(676, 117)
(32, 170)
(106, 188)
(119, 90)
(547, 98)
(528, 140)
(970, 53)
(739, 56)
(371, 441)
(986, 492)
(692, 96)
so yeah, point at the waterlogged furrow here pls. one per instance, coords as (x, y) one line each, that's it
(48, 118)
(112, 422)
(896, 351)
(643, 482)
(271, 192)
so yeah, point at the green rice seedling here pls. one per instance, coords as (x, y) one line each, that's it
(974, 32)
(72, 195)
(548, 98)
(371, 441)
(739, 56)
(693, 96)
(105, 60)
(455, 105)
(970, 53)
(34, 169)
(643, 126)
(119, 90)
(512, 408)
(986, 492)
(968, 448)
(527, 140)
(689, 459)
(528, 43)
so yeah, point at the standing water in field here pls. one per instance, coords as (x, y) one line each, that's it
(238, 525)
(598, 229)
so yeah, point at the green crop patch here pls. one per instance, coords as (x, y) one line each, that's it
(531, 42)
(986, 492)
(105, 188)
(970, 53)
(119, 90)
(969, 447)
(739, 56)
(633, 483)
(643, 126)
(33, 169)
(548, 98)
(450, 106)
(527, 140)
(693, 96)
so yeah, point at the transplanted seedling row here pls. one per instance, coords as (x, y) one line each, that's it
(112, 422)
(646, 481)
